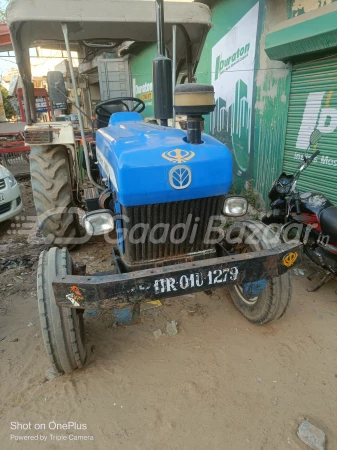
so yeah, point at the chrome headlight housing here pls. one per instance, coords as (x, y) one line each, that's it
(9, 177)
(11, 180)
(235, 206)
(98, 222)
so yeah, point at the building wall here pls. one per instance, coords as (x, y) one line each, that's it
(298, 7)
(313, 95)
(272, 80)
(260, 98)
(270, 92)
(228, 61)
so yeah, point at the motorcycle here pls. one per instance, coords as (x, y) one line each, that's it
(310, 217)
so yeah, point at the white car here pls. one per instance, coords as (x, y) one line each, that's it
(10, 195)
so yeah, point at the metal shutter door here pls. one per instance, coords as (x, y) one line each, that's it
(313, 105)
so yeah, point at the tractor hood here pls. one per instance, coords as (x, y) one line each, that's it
(148, 164)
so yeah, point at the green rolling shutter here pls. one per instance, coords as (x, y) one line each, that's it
(313, 105)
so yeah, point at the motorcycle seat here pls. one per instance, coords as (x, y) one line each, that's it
(328, 219)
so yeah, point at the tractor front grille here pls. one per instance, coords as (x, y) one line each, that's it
(38, 137)
(141, 247)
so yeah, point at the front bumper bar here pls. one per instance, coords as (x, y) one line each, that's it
(115, 291)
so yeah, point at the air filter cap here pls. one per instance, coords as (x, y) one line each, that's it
(194, 99)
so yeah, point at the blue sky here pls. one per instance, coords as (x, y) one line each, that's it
(6, 62)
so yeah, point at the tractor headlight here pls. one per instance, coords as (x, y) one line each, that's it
(98, 222)
(235, 206)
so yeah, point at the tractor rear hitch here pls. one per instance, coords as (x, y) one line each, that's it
(116, 290)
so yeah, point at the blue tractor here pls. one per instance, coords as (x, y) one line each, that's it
(165, 193)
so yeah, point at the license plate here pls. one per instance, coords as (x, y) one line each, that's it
(2, 198)
(196, 280)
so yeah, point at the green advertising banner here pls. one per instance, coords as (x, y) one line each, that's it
(141, 72)
(233, 62)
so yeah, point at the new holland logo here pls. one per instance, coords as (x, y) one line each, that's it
(180, 177)
(178, 156)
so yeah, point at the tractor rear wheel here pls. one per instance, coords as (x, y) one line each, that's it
(53, 194)
(62, 328)
(272, 298)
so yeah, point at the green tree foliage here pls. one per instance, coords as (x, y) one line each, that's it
(9, 110)
(3, 6)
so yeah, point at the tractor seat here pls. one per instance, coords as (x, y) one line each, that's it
(103, 118)
(328, 219)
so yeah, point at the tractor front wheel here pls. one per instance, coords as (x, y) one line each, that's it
(62, 328)
(263, 301)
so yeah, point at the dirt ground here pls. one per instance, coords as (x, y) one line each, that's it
(220, 383)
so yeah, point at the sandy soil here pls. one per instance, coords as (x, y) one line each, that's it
(220, 383)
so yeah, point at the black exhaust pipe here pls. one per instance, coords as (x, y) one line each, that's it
(162, 73)
(160, 27)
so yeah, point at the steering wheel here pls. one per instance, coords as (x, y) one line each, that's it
(100, 109)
